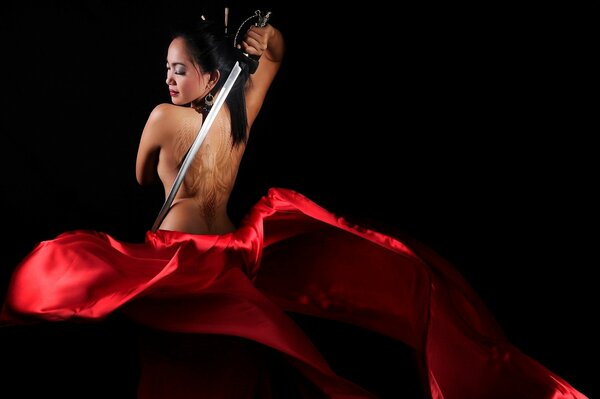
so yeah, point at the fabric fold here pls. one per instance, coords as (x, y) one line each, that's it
(288, 255)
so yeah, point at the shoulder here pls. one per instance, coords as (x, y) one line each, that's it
(170, 112)
(169, 118)
(163, 112)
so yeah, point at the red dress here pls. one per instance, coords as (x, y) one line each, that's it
(288, 255)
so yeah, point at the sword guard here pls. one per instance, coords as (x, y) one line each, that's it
(250, 60)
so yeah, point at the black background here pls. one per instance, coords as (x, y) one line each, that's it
(464, 125)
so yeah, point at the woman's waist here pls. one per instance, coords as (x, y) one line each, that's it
(198, 216)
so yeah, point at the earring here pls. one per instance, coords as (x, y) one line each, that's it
(209, 100)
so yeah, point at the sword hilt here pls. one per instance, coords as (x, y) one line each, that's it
(252, 60)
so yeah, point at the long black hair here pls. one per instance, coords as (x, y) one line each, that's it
(211, 50)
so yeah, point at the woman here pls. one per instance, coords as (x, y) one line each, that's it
(197, 66)
(212, 297)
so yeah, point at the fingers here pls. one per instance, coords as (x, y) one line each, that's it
(255, 42)
(256, 33)
(250, 49)
(253, 45)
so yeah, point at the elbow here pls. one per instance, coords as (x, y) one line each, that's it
(145, 178)
(140, 179)
(146, 169)
(139, 175)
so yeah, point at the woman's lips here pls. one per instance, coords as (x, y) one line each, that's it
(173, 93)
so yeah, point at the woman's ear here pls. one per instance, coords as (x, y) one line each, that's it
(214, 77)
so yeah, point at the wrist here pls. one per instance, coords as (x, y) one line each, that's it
(275, 46)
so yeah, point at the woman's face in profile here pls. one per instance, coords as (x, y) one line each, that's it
(185, 80)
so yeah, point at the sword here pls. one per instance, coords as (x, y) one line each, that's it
(189, 157)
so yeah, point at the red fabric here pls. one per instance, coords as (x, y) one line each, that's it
(288, 255)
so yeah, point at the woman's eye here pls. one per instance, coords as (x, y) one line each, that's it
(177, 71)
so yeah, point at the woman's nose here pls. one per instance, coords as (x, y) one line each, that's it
(169, 80)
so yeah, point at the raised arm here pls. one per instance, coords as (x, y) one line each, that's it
(266, 42)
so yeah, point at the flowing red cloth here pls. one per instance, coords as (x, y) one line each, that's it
(289, 254)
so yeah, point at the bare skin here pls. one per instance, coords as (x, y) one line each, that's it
(200, 206)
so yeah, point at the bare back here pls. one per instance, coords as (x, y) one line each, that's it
(200, 206)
